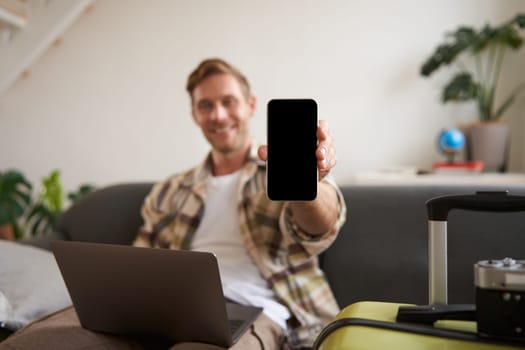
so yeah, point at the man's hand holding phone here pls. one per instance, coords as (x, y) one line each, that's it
(300, 150)
(325, 152)
(299, 154)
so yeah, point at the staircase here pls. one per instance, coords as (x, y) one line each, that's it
(28, 28)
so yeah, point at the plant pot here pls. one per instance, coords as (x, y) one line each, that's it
(7, 232)
(489, 142)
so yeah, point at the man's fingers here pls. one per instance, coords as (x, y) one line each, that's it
(262, 152)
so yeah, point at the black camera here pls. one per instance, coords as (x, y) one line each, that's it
(500, 298)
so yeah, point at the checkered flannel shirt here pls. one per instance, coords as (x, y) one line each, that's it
(285, 255)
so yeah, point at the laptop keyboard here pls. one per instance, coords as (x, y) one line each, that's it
(234, 325)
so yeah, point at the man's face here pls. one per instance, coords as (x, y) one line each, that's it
(223, 112)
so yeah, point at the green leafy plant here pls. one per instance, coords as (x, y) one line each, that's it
(82, 190)
(49, 206)
(29, 215)
(487, 48)
(15, 199)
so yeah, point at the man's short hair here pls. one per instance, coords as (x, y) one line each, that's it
(213, 66)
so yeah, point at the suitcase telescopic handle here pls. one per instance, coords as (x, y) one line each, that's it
(438, 209)
(495, 201)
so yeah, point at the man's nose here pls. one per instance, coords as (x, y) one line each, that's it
(219, 112)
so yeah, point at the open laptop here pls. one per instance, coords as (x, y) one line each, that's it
(150, 293)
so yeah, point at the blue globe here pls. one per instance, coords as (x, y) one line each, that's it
(451, 141)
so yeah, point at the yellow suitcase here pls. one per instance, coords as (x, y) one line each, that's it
(379, 325)
(372, 325)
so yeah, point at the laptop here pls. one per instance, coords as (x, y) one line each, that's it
(150, 293)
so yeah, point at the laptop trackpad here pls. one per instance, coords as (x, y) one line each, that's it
(241, 317)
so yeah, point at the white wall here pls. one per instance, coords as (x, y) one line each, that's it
(24, 46)
(108, 105)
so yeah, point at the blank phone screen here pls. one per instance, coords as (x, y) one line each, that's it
(292, 142)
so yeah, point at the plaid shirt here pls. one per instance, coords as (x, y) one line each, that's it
(285, 255)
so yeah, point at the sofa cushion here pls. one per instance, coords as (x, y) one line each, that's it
(107, 215)
(31, 285)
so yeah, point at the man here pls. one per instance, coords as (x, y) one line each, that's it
(266, 250)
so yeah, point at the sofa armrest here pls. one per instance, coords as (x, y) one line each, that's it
(43, 242)
(108, 215)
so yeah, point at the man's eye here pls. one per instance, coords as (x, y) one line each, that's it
(229, 102)
(205, 106)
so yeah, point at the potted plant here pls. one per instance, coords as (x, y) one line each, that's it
(21, 215)
(478, 55)
(15, 199)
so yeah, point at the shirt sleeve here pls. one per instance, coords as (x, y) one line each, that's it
(314, 244)
(152, 213)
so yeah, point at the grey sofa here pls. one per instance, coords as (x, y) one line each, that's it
(380, 254)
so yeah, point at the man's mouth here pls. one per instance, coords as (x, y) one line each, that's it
(223, 129)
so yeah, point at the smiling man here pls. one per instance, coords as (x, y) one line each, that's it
(267, 251)
(223, 111)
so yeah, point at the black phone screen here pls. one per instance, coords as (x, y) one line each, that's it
(292, 142)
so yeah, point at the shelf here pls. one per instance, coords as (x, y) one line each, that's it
(413, 178)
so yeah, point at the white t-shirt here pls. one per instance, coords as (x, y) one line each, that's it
(219, 232)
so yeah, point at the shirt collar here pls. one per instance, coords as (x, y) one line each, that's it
(204, 170)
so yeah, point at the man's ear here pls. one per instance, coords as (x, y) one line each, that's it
(252, 102)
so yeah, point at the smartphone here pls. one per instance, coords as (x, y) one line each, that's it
(291, 167)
